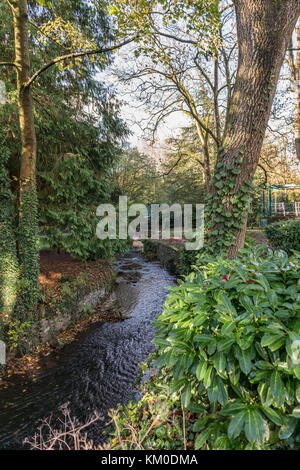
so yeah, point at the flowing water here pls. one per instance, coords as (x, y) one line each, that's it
(99, 369)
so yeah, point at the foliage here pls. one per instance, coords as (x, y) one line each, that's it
(285, 234)
(182, 170)
(172, 177)
(227, 208)
(197, 18)
(136, 177)
(69, 196)
(180, 263)
(23, 332)
(149, 250)
(228, 339)
(9, 268)
(76, 148)
(28, 249)
(178, 48)
(156, 422)
(17, 336)
(186, 261)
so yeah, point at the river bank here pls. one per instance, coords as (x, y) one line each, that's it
(99, 368)
(74, 294)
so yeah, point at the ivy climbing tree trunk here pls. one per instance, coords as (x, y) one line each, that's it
(9, 266)
(28, 226)
(264, 29)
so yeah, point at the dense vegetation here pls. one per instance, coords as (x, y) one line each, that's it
(76, 149)
(228, 355)
(227, 365)
(76, 152)
(285, 234)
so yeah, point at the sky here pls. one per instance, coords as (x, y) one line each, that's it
(134, 113)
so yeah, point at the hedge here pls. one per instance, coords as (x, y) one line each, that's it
(285, 234)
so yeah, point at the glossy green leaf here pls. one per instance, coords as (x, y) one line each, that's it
(236, 424)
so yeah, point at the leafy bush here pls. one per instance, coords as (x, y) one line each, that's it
(186, 260)
(156, 422)
(229, 340)
(149, 250)
(285, 234)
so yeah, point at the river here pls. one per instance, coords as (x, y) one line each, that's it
(99, 369)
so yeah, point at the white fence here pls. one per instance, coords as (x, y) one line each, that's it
(284, 208)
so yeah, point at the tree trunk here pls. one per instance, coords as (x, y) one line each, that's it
(264, 29)
(26, 118)
(297, 97)
(206, 166)
(295, 80)
(28, 233)
(205, 162)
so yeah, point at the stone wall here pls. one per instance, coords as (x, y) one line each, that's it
(50, 327)
(167, 255)
(176, 259)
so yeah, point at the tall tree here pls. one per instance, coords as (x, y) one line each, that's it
(184, 69)
(264, 29)
(28, 224)
(28, 227)
(294, 64)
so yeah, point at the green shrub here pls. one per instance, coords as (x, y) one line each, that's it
(186, 260)
(229, 341)
(285, 234)
(155, 422)
(149, 250)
